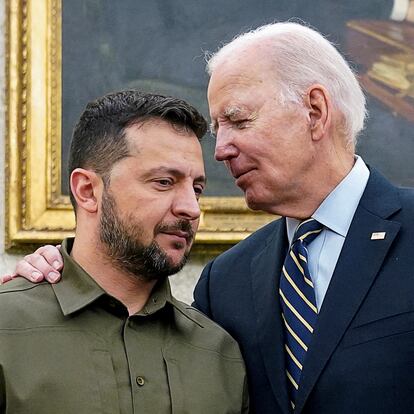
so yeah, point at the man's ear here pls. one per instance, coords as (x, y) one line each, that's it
(319, 106)
(86, 187)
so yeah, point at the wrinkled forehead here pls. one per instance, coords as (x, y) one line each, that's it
(242, 67)
(157, 132)
(234, 88)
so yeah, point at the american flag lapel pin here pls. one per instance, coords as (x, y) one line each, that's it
(379, 235)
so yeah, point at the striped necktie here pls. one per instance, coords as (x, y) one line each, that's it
(297, 297)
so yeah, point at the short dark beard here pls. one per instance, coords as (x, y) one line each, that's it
(121, 238)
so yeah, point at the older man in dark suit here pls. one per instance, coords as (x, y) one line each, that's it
(320, 301)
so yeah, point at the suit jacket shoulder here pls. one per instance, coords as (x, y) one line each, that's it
(252, 244)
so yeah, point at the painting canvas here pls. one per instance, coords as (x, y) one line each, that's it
(160, 46)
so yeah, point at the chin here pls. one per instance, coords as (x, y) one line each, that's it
(252, 201)
(176, 256)
(259, 204)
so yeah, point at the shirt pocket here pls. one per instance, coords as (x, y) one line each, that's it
(51, 370)
(203, 381)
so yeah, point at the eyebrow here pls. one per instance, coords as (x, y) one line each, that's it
(232, 111)
(174, 172)
(229, 113)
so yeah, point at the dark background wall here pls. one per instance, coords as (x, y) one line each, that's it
(159, 46)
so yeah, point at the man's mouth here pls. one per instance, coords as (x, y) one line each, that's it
(181, 231)
(238, 174)
(180, 235)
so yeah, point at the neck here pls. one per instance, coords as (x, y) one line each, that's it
(315, 190)
(131, 291)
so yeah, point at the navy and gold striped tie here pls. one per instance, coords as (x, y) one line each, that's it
(297, 297)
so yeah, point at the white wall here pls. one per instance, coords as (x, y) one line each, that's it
(182, 283)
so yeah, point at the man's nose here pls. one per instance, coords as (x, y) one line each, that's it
(186, 204)
(225, 146)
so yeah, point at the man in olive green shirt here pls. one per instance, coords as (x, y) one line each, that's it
(110, 338)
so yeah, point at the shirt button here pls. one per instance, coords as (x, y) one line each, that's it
(140, 381)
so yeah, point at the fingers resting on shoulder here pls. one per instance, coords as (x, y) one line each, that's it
(44, 264)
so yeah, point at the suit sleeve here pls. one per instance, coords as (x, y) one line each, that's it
(202, 292)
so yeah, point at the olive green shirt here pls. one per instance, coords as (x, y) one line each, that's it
(72, 348)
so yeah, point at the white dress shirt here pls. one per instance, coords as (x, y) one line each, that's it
(335, 213)
(400, 9)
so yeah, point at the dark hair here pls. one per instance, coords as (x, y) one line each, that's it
(99, 138)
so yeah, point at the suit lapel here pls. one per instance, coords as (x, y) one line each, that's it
(266, 268)
(358, 265)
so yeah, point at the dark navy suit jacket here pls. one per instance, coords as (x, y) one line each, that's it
(361, 359)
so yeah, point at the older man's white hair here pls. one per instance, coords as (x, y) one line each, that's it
(302, 57)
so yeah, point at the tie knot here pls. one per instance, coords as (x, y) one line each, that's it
(307, 231)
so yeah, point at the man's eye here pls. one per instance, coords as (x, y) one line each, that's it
(240, 124)
(164, 182)
(198, 190)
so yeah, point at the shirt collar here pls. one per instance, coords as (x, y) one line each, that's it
(337, 210)
(77, 289)
(160, 296)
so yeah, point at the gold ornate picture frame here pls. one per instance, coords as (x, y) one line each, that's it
(36, 210)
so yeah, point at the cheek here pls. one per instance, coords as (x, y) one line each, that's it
(149, 217)
(151, 206)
